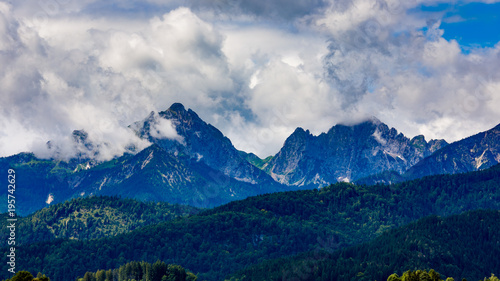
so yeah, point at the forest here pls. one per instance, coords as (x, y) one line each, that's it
(218, 242)
(93, 217)
(465, 246)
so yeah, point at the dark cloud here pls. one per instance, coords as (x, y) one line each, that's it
(274, 10)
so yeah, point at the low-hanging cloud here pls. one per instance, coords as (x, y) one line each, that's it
(102, 80)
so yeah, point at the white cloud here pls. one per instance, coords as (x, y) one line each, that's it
(162, 128)
(256, 74)
(101, 80)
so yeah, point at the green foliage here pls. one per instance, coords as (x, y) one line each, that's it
(492, 278)
(141, 271)
(228, 238)
(459, 246)
(93, 217)
(255, 160)
(22, 276)
(27, 276)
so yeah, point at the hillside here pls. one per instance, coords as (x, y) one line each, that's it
(460, 246)
(230, 237)
(92, 218)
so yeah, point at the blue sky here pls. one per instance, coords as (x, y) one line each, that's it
(473, 25)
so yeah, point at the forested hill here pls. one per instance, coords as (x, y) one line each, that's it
(223, 240)
(461, 246)
(93, 217)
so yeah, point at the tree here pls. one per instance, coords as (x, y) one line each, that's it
(492, 278)
(393, 277)
(175, 273)
(434, 275)
(100, 275)
(22, 276)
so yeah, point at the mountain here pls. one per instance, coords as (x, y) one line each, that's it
(195, 139)
(347, 153)
(470, 154)
(189, 162)
(150, 175)
(460, 246)
(228, 238)
(91, 218)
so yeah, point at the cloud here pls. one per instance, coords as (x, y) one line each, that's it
(256, 70)
(102, 79)
(260, 9)
(162, 128)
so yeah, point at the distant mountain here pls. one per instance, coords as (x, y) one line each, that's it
(91, 218)
(190, 162)
(201, 141)
(150, 175)
(461, 246)
(347, 153)
(220, 241)
(470, 154)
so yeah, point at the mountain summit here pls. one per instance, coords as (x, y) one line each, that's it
(347, 153)
(193, 138)
(474, 153)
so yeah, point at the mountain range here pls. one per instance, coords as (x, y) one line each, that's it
(347, 153)
(220, 241)
(191, 162)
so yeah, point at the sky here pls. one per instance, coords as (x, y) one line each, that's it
(256, 70)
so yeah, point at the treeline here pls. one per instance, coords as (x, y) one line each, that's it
(141, 271)
(422, 275)
(27, 276)
(223, 240)
(93, 217)
(462, 246)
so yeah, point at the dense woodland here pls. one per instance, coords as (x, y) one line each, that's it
(461, 246)
(93, 217)
(223, 240)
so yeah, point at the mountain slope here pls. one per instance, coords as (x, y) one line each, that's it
(230, 237)
(92, 217)
(198, 140)
(347, 153)
(150, 175)
(255, 160)
(470, 154)
(460, 246)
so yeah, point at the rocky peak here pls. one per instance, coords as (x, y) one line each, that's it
(177, 107)
(298, 136)
(346, 153)
(474, 153)
(202, 142)
(178, 112)
(496, 128)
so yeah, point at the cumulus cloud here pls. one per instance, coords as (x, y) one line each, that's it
(254, 69)
(101, 79)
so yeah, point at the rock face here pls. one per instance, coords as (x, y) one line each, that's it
(200, 141)
(347, 153)
(474, 153)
